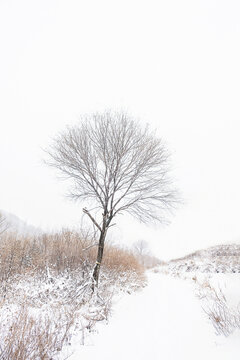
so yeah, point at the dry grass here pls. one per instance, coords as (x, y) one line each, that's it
(45, 290)
(224, 318)
(25, 337)
(120, 259)
(60, 252)
(68, 253)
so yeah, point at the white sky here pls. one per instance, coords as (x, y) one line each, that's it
(174, 64)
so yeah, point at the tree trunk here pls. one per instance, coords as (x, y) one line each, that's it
(96, 270)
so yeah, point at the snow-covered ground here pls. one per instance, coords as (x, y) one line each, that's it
(163, 321)
(189, 309)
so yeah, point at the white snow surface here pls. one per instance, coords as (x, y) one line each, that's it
(163, 321)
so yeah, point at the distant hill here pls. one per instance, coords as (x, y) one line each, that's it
(220, 258)
(17, 225)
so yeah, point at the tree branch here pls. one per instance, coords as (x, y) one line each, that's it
(93, 220)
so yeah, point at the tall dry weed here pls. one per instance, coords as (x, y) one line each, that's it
(46, 281)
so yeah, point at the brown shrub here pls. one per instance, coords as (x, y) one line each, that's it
(120, 259)
(59, 252)
(52, 271)
(66, 254)
(26, 337)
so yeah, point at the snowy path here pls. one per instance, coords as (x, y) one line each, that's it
(164, 321)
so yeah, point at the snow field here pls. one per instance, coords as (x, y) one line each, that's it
(164, 321)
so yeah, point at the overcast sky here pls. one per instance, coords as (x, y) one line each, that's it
(171, 63)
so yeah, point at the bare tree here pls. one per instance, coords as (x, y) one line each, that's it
(144, 255)
(119, 165)
(141, 250)
(141, 247)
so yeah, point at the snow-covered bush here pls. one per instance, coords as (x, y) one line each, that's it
(224, 315)
(46, 294)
